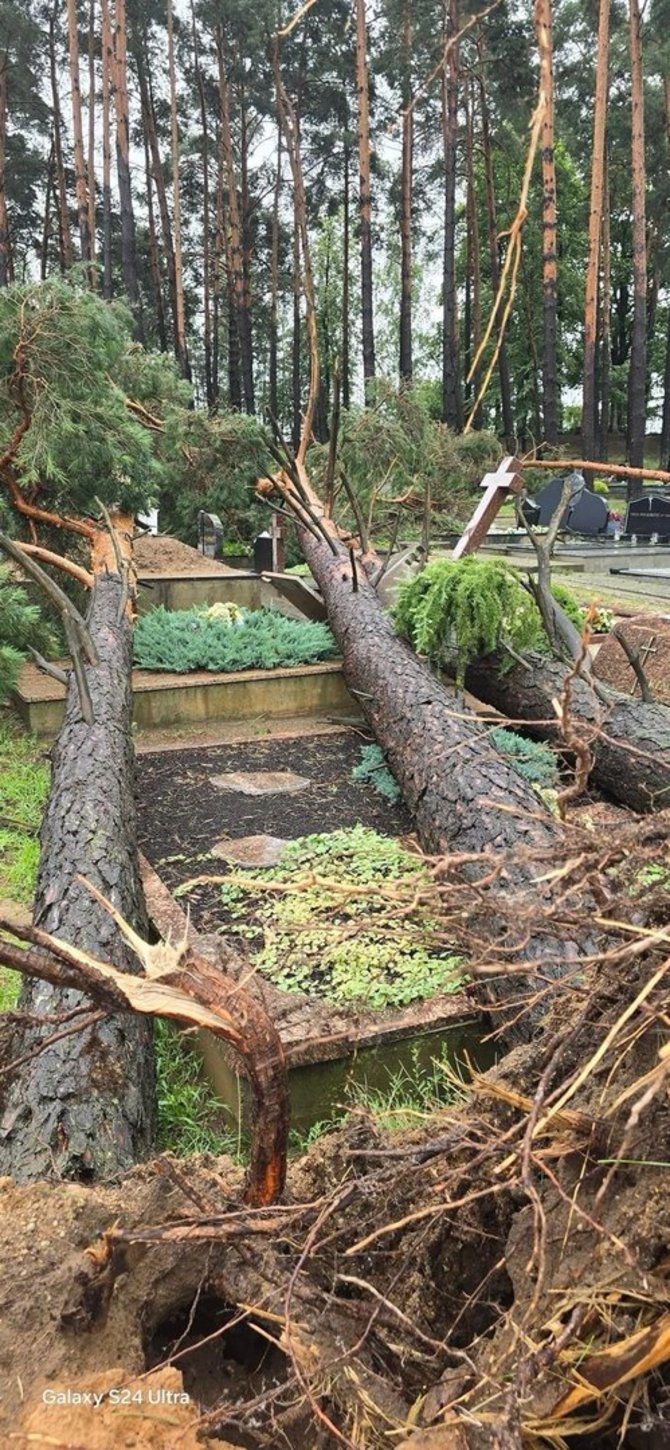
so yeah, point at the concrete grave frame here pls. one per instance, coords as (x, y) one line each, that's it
(325, 1046)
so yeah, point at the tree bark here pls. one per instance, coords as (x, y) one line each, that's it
(345, 368)
(463, 797)
(235, 240)
(149, 117)
(180, 306)
(550, 390)
(589, 394)
(128, 240)
(273, 383)
(631, 755)
(91, 136)
(405, 368)
(452, 401)
(154, 260)
(84, 1107)
(206, 279)
(78, 134)
(66, 254)
(5, 249)
(474, 329)
(365, 194)
(664, 459)
(637, 377)
(107, 69)
(605, 329)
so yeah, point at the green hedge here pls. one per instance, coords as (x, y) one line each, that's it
(197, 639)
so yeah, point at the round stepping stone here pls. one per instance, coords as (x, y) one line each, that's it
(250, 850)
(261, 782)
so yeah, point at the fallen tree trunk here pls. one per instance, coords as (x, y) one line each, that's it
(463, 796)
(629, 740)
(84, 1107)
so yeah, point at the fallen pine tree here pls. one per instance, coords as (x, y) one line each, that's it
(497, 1276)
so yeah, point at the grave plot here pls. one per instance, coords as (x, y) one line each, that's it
(355, 999)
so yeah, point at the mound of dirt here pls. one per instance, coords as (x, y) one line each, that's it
(161, 554)
(649, 634)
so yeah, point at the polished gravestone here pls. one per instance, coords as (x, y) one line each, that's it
(585, 512)
(649, 515)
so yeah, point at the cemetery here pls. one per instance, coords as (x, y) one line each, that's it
(334, 730)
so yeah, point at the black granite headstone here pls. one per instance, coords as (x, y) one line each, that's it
(649, 515)
(263, 553)
(547, 502)
(588, 514)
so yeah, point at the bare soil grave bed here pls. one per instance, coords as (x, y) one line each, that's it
(184, 816)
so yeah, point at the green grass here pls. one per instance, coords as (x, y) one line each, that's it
(24, 786)
(190, 1115)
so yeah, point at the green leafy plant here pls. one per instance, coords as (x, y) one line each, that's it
(197, 639)
(372, 767)
(459, 610)
(347, 945)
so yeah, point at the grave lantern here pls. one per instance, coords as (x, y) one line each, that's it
(269, 549)
(210, 534)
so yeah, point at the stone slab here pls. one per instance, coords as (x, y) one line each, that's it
(250, 850)
(261, 782)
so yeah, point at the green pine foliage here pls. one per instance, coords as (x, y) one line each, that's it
(471, 607)
(197, 639)
(372, 767)
(21, 625)
(68, 358)
(349, 949)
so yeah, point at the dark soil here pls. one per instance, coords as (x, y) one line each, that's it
(181, 815)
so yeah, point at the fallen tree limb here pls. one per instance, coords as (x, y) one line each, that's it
(629, 739)
(183, 987)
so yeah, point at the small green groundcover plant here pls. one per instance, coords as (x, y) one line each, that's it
(372, 767)
(472, 607)
(345, 945)
(535, 762)
(226, 638)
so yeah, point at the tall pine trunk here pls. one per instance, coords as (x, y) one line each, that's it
(345, 365)
(474, 330)
(84, 1108)
(492, 227)
(452, 401)
(65, 239)
(605, 307)
(128, 241)
(151, 134)
(589, 391)
(242, 319)
(406, 200)
(107, 68)
(154, 259)
(5, 247)
(365, 194)
(91, 136)
(206, 277)
(665, 427)
(637, 377)
(78, 134)
(550, 389)
(273, 386)
(180, 305)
